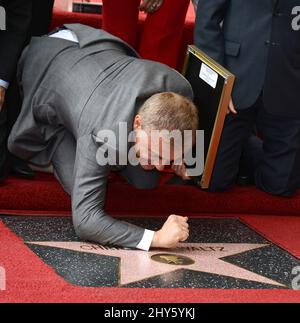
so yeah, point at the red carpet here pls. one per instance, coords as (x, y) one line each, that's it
(284, 231)
(44, 195)
(30, 280)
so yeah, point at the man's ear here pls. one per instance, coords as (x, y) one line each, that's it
(137, 124)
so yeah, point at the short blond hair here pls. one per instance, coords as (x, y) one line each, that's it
(169, 111)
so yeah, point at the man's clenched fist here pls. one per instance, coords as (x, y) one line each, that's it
(175, 230)
(2, 97)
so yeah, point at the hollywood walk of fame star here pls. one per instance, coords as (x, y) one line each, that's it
(138, 265)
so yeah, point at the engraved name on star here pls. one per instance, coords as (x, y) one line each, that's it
(138, 265)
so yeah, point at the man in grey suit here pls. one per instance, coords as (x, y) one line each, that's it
(78, 82)
(259, 41)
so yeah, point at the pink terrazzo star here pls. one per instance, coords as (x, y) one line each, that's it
(138, 265)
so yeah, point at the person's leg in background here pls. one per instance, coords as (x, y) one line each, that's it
(41, 16)
(237, 129)
(40, 22)
(120, 18)
(3, 138)
(277, 172)
(18, 19)
(162, 33)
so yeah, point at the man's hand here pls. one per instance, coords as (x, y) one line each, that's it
(2, 97)
(175, 230)
(180, 170)
(231, 108)
(150, 6)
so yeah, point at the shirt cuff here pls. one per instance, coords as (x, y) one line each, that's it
(4, 84)
(146, 241)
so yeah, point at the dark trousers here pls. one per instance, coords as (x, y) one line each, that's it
(272, 159)
(41, 18)
(8, 117)
(3, 138)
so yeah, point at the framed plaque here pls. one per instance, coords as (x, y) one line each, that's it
(212, 85)
(85, 6)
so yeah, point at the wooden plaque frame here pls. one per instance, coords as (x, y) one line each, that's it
(211, 101)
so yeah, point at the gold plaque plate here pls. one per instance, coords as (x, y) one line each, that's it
(172, 259)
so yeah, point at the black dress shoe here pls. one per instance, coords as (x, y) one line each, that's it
(246, 172)
(2, 179)
(3, 175)
(245, 180)
(19, 168)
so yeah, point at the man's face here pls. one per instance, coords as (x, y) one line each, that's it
(150, 152)
(154, 150)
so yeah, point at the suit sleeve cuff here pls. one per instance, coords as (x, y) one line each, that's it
(4, 84)
(146, 241)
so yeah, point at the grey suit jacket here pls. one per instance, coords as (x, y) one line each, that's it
(256, 42)
(78, 90)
